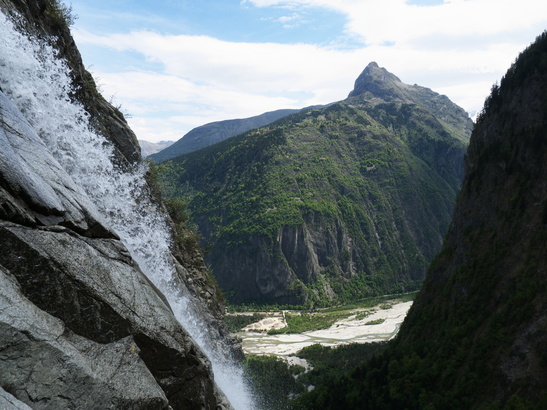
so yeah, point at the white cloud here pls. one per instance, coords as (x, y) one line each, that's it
(380, 21)
(241, 75)
(291, 21)
(458, 48)
(164, 107)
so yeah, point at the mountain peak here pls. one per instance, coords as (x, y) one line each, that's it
(376, 85)
(377, 81)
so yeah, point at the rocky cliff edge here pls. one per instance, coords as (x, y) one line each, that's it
(80, 325)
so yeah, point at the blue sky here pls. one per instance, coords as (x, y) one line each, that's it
(177, 64)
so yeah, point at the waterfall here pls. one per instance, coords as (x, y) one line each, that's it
(38, 84)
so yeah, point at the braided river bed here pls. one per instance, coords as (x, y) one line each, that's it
(353, 329)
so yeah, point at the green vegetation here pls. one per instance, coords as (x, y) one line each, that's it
(373, 301)
(185, 239)
(253, 307)
(364, 190)
(61, 13)
(237, 322)
(273, 381)
(331, 364)
(375, 322)
(362, 315)
(328, 364)
(214, 132)
(476, 336)
(301, 320)
(305, 322)
(283, 386)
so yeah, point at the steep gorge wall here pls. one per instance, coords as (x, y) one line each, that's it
(43, 18)
(476, 335)
(81, 326)
(47, 19)
(75, 308)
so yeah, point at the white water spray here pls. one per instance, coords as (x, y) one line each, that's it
(38, 84)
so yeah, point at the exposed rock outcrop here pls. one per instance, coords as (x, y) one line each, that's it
(28, 171)
(74, 301)
(81, 326)
(8, 402)
(376, 84)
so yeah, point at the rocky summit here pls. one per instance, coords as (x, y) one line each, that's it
(375, 83)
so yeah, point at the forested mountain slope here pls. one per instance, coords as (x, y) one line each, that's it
(332, 203)
(476, 336)
(214, 132)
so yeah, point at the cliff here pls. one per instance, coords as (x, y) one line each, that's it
(332, 203)
(48, 19)
(476, 336)
(81, 325)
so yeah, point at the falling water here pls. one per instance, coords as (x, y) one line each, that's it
(38, 84)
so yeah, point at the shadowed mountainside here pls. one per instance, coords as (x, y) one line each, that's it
(476, 336)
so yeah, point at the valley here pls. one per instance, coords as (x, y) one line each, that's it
(290, 352)
(360, 325)
(283, 332)
(245, 274)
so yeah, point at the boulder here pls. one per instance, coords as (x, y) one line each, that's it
(46, 365)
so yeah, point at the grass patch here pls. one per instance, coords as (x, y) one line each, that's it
(375, 322)
(362, 315)
(305, 322)
(237, 322)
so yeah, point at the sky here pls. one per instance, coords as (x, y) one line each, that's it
(173, 65)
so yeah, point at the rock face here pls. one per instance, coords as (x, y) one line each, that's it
(476, 336)
(29, 171)
(74, 301)
(377, 84)
(81, 326)
(331, 203)
(489, 282)
(48, 19)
